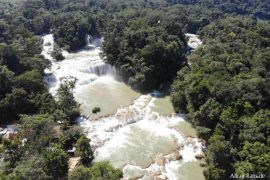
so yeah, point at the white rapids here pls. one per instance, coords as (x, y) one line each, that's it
(143, 143)
(194, 41)
(84, 66)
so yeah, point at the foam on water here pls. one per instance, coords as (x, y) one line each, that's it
(194, 41)
(134, 137)
(171, 168)
(85, 65)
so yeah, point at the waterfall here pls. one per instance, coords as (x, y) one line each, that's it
(130, 129)
(92, 42)
(88, 39)
(193, 41)
(85, 65)
(99, 68)
(137, 128)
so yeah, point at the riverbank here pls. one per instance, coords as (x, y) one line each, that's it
(132, 130)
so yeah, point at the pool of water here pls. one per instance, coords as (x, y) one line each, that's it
(163, 105)
(137, 133)
(106, 93)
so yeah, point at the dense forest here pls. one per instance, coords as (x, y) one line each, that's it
(46, 131)
(147, 47)
(225, 91)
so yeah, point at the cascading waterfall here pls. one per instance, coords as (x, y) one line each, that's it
(99, 68)
(85, 66)
(145, 144)
(193, 41)
(154, 135)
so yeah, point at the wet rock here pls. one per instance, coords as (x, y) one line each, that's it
(148, 177)
(174, 156)
(181, 146)
(113, 128)
(47, 44)
(157, 173)
(160, 160)
(188, 140)
(161, 177)
(200, 156)
(155, 170)
(133, 172)
(193, 142)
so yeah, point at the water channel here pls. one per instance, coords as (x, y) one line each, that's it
(139, 133)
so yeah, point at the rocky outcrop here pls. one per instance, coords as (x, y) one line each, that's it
(173, 157)
(148, 177)
(200, 156)
(134, 172)
(160, 160)
(161, 177)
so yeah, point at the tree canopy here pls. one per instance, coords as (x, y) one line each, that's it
(225, 90)
(226, 93)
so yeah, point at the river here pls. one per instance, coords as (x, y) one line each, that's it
(138, 133)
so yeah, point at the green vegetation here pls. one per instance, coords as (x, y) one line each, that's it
(56, 161)
(45, 131)
(71, 29)
(57, 53)
(21, 69)
(225, 91)
(100, 170)
(67, 107)
(96, 110)
(148, 50)
(84, 150)
(252, 8)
